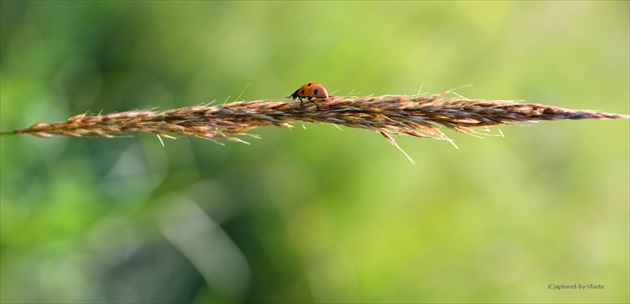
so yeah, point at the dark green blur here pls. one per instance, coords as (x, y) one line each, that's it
(313, 214)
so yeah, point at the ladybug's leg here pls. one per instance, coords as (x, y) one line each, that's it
(316, 105)
(301, 104)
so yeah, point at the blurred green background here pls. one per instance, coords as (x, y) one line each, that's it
(316, 214)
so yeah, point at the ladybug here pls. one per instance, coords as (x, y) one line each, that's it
(309, 91)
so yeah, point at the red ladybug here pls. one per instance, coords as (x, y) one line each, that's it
(309, 91)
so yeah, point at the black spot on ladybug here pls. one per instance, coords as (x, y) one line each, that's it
(309, 84)
(302, 92)
(315, 91)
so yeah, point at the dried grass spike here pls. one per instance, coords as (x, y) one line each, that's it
(419, 116)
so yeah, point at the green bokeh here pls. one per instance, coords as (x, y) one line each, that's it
(314, 214)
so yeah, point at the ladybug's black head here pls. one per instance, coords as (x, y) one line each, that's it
(294, 95)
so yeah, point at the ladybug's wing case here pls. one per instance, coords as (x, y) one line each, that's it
(319, 91)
